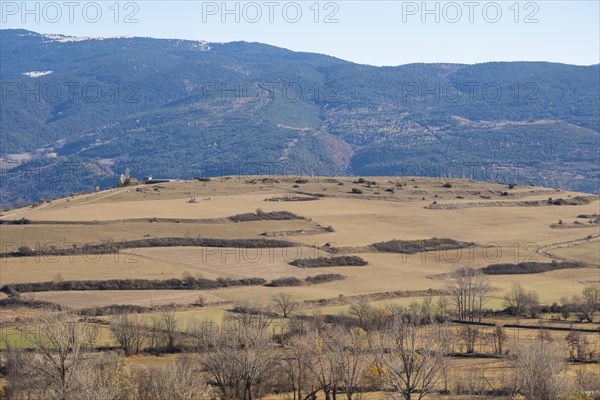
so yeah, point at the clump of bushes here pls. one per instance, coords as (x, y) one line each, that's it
(417, 246)
(287, 281)
(340, 261)
(293, 198)
(588, 216)
(356, 191)
(529, 267)
(575, 201)
(22, 221)
(447, 185)
(311, 280)
(301, 181)
(260, 215)
(324, 278)
(366, 182)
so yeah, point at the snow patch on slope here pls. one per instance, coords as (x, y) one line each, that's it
(64, 39)
(36, 74)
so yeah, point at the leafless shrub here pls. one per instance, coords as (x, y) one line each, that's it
(182, 380)
(128, 332)
(539, 367)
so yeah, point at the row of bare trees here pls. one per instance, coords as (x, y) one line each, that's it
(248, 356)
(584, 306)
(133, 335)
(245, 359)
(242, 360)
(469, 291)
(63, 364)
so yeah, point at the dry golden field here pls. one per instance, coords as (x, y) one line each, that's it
(61, 235)
(99, 298)
(587, 252)
(506, 232)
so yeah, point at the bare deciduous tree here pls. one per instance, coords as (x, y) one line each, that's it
(497, 337)
(362, 312)
(585, 306)
(285, 303)
(411, 358)
(591, 294)
(349, 356)
(295, 363)
(469, 290)
(442, 308)
(319, 364)
(578, 345)
(426, 313)
(515, 299)
(521, 302)
(154, 337)
(169, 328)
(239, 357)
(468, 335)
(60, 341)
(128, 332)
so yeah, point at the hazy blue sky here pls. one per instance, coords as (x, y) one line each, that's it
(369, 32)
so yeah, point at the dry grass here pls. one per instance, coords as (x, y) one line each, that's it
(588, 252)
(104, 266)
(64, 236)
(152, 361)
(99, 298)
(267, 263)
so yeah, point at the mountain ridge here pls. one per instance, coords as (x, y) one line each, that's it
(170, 109)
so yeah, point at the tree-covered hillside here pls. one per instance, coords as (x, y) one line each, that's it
(77, 113)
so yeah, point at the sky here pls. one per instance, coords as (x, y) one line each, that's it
(382, 33)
